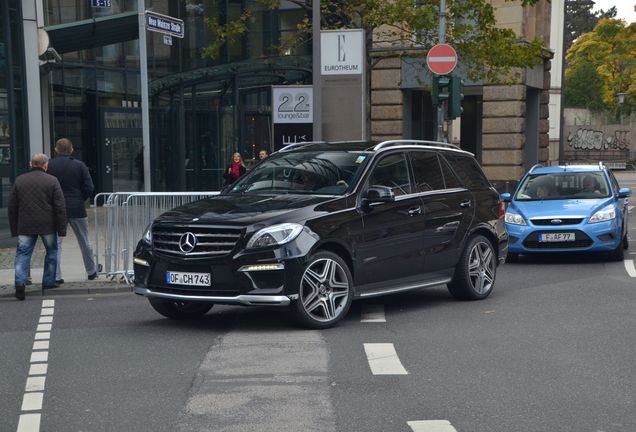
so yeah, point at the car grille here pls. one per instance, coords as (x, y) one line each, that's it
(564, 221)
(211, 241)
(581, 240)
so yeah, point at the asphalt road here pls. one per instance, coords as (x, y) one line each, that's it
(552, 349)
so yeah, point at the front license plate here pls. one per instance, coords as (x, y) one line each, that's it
(193, 279)
(556, 237)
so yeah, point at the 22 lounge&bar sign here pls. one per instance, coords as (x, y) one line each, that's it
(292, 115)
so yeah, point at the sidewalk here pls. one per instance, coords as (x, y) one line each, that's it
(75, 277)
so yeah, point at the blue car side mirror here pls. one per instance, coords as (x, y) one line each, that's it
(506, 197)
(624, 192)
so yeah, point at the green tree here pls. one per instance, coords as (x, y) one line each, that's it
(584, 87)
(580, 18)
(610, 50)
(488, 51)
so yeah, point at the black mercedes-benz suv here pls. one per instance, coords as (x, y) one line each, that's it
(317, 225)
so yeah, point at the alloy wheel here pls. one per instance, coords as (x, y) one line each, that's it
(481, 267)
(324, 290)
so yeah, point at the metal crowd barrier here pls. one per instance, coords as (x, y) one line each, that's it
(120, 221)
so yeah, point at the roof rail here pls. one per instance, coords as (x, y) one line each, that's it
(417, 142)
(535, 166)
(299, 144)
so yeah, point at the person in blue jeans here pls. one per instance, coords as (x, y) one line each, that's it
(36, 209)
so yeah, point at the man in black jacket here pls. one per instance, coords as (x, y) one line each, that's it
(36, 208)
(77, 186)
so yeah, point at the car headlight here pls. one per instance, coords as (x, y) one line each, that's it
(608, 213)
(515, 219)
(147, 237)
(275, 235)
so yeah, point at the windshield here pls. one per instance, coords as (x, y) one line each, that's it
(319, 172)
(564, 185)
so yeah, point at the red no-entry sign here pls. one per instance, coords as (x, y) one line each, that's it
(441, 59)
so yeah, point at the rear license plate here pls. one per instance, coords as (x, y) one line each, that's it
(193, 279)
(557, 237)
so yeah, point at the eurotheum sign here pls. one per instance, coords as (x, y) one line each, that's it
(292, 104)
(165, 24)
(342, 52)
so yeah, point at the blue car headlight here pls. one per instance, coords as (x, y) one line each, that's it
(514, 218)
(605, 214)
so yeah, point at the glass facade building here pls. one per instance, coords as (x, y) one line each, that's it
(201, 109)
(14, 135)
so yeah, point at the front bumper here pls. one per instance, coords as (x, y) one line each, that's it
(263, 277)
(246, 300)
(598, 237)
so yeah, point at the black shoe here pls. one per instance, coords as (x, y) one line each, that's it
(28, 281)
(19, 292)
(59, 282)
(94, 275)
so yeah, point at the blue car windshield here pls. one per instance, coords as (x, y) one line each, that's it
(563, 185)
(306, 172)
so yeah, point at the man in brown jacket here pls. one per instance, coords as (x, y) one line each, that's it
(36, 208)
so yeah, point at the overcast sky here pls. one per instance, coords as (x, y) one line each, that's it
(625, 8)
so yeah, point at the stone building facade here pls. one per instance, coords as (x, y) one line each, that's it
(506, 126)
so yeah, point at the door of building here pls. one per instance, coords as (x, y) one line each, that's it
(120, 162)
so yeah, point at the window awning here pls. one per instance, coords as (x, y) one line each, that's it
(96, 32)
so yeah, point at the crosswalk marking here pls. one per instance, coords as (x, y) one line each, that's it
(383, 359)
(29, 423)
(629, 267)
(373, 313)
(431, 426)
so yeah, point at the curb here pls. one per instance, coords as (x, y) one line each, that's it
(69, 288)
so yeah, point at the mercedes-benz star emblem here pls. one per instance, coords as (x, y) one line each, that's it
(187, 242)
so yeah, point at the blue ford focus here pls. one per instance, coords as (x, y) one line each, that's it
(572, 208)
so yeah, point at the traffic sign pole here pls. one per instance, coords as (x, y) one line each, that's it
(442, 39)
(145, 100)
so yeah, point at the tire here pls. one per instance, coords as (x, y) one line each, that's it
(618, 254)
(325, 291)
(625, 241)
(476, 270)
(180, 310)
(512, 257)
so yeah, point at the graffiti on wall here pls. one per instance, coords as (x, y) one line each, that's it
(591, 139)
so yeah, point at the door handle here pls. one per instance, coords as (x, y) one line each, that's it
(465, 204)
(415, 211)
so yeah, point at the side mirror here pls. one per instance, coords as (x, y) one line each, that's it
(506, 197)
(624, 192)
(379, 194)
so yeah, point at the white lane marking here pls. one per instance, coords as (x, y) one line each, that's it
(34, 388)
(629, 266)
(373, 313)
(35, 384)
(32, 401)
(38, 369)
(39, 356)
(383, 359)
(41, 345)
(431, 426)
(29, 423)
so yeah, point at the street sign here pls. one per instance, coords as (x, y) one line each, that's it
(164, 24)
(441, 59)
(101, 3)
